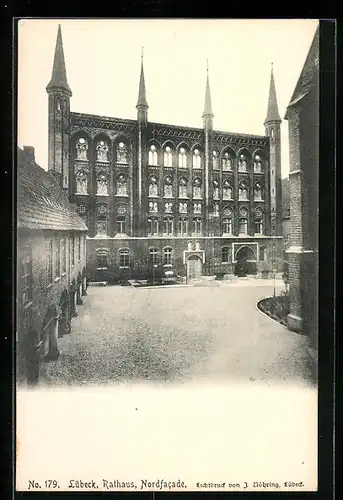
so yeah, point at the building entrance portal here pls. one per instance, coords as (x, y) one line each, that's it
(194, 267)
(245, 262)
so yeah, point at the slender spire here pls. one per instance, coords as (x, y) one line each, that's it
(59, 73)
(142, 92)
(208, 104)
(273, 111)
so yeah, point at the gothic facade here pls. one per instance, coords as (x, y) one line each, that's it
(194, 200)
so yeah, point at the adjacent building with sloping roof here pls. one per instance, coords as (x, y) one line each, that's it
(51, 264)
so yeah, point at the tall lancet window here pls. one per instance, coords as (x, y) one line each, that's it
(227, 190)
(168, 157)
(153, 157)
(258, 221)
(227, 162)
(81, 149)
(182, 158)
(121, 185)
(168, 188)
(243, 191)
(153, 188)
(258, 191)
(215, 190)
(183, 188)
(102, 151)
(102, 184)
(81, 182)
(215, 160)
(122, 154)
(196, 159)
(197, 188)
(242, 164)
(257, 164)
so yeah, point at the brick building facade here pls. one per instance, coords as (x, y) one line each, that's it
(194, 200)
(303, 120)
(51, 265)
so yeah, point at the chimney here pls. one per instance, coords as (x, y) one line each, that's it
(29, 152)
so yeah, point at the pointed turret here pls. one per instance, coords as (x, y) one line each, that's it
(273, 111)
(208, 113)
(142, 92)
(59, 74)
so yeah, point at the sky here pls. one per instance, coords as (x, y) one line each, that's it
(103, 60)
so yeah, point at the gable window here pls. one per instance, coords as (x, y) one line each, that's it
(168, 157)
(182, 158)
(225, 255)
(153, 160)
(26, 274)
(102, 259)
(124, 258)
(49, 263)
(167, 256)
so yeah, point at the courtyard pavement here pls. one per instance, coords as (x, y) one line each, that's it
(205, 331)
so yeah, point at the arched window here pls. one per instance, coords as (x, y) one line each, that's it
(153, 256)
(215, 160)
(197, 188)
(215, 190)
(258, 221)
(197, 226)
(58, 105)
(183, 226)
(225, 255)
(272, 133)
(257, 164)
(168, 225)
(227, 190)
(102, 259)
(168, 187)
(81, 182)
(183, 188)
(121, 185)
(153, 187)
(153, 206)
(101, 226)
(168, 208)
(152, 225)
(243, 191)
(182, 158)
(226, 161)
(122, 153)
(168, 157)
(196, 159)
(167, 256)
(153, 159)
(183, 208)
(258, 191)
(81, 149)
(101, 151)
(227, 225)
(242, 163)
(124, 258)
(102, 184)
(197, 208)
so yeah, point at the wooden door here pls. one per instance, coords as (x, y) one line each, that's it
(194, 268)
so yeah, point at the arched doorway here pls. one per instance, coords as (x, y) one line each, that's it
(245, 262)
(194, 267)
(49, 335)
(64, 322)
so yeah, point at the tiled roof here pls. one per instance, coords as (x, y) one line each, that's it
(285, 198)
(41, 202)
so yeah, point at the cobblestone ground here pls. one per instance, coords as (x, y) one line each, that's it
(210, 330)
